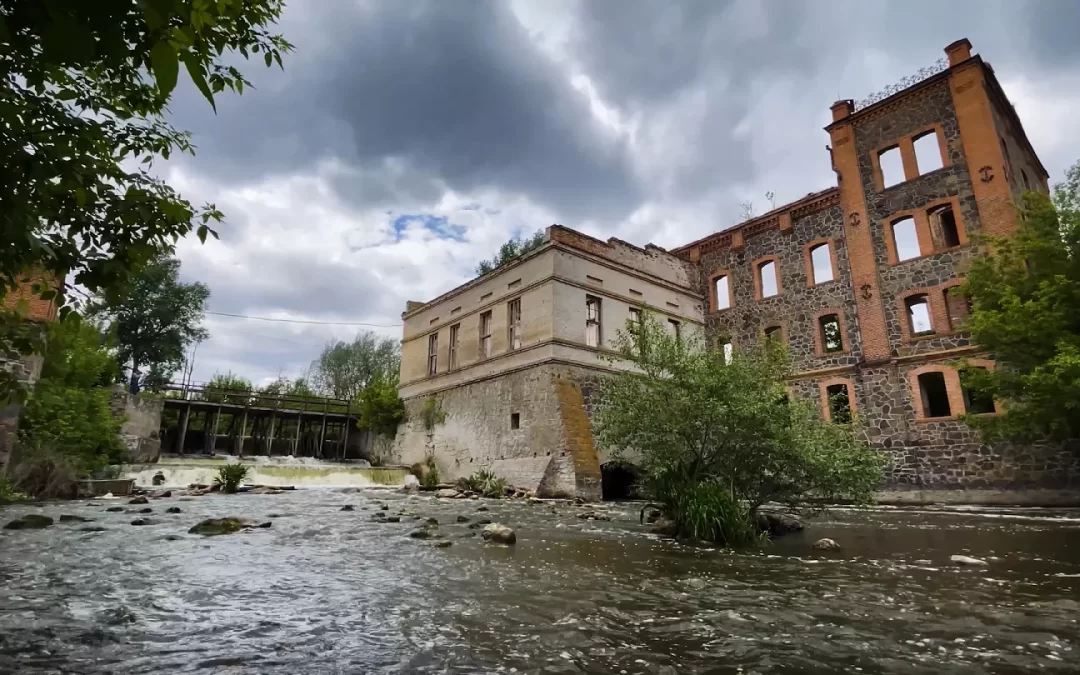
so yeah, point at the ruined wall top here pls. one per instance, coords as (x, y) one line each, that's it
(652, 260)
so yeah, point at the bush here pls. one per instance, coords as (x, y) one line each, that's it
(483, 482)
(719, 437)
(381, 410)
(430, 479)
(229, 477)
(9, 494)
(44, 473)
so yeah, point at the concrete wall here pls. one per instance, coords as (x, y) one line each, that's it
(141, 430)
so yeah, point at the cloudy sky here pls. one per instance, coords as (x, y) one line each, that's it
(406, 139)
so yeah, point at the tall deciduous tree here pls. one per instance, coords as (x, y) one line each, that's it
(83, 91)
(1025, 297)
(154, 318)
(344, 369)
(719, 437)
(513, 248)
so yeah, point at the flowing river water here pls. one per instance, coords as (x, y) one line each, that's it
(331, 591)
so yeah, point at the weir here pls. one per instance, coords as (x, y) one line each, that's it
(275, 471)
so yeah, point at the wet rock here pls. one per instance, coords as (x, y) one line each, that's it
(68, 518)
(163, 495)
(31, 521)
(463, 519)
(968, 561)
(392, 519)
(592, 515)
(447, 493)
(651, 515)
(482, 508)
(348, 507)
(444, 543)
(265, 525)
(665, 527)
(378, 515)
(695, 583)
(826, 544)
(474, 496)
(422, 533)
(215, 526)
(534, 500)
(158, 479)
(114, 509)
(172, 537)
(173, 509)
(499, 534)
(432, 521)
(468, 534)
(384, 507)
(139, 500)
(146, 510)
(143, 521)
(480, 523)
(92, 528)
(117, 616)
(777, 524)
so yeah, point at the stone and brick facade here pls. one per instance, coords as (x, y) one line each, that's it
(860, 295)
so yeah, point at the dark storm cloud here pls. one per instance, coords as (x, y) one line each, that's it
(453, 89)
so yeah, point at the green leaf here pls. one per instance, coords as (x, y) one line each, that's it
(163, 61)
(201, 232)
(195, 70)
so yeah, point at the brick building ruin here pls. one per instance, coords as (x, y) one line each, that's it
(856, 279)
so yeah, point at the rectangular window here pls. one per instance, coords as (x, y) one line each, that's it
(723, 292)
(935, 395)
(769, 284)
(839, 403)
(515, 420)
(592, 321)
(892, 166)
(821, 263)
(976, 402)
(433, 354)
(905, 239)
(455, 332)
(485, 335)
(774, 334)
(918, 311)
(727, 349)
(927, 152)
(958, 306)
(676, 329)
(943, 230)
(831, 338)
(513, 323)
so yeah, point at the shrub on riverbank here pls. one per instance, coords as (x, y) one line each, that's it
(719, 435)
(483, 482)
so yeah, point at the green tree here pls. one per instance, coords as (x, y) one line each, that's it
(512, 249)
(381, 409)
(154, 318)
(84, 88)
(228, 388)
(717, 440)
(67, 419)
(1025, 300)
(345, 369)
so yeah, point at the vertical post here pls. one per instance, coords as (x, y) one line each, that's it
(243, 430)
(348, 423)
(213, 432)
(322, 431)
(270, 438)
(181, 432)
(299, 423)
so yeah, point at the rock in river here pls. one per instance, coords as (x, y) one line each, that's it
(447, 493)
(139, 500)
(500, 534)
(31, 521)
(143, 521)
(114, 509)
(968, 560)
(68, 518)
(348, 507)
(777, 524)
(214, 526)
(422, 533)
(826, 544)
(173, 509)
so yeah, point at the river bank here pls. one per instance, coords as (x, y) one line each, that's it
(326, 590)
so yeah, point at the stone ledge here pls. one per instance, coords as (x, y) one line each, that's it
(1033, 497)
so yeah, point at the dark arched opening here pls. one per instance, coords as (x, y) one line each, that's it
(618, 480)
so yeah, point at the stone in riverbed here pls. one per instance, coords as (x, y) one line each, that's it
(480, 523)
(31, 521)
(826, 544)
(422, 533)
(139, 500)
(392, 519)
(777, 524)
(143, 521)
(173, 509)
(463, 519)
(92, 528)
(68, 518)
(499, 534)
(481, 508)
(215, 526)
(665, 527)
(384, 507)
(968, 561)
(444, 543)
(378, 515)
(432, 521)
(114, 509)
(348, 507)
(446, 493)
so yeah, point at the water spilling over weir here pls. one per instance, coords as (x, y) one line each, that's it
(276, 471)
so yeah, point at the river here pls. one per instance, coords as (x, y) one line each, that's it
(331, 591)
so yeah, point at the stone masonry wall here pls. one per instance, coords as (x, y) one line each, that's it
(550, 451)
(797, 307)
